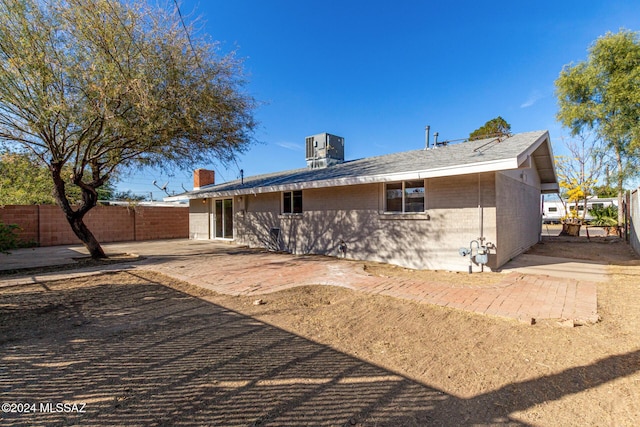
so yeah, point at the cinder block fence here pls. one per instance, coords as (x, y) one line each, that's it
(47, 226)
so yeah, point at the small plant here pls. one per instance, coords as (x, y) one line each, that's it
(8, 237)
(606, 216)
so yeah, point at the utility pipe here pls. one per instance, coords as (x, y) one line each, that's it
(480, 216)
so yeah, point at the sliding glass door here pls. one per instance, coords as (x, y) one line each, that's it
(223, 219)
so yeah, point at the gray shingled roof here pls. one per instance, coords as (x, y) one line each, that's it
(467, 157)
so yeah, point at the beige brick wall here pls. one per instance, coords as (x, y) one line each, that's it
(518, 210)
(459, 209)
(354, 214)
(255, 216)
(462, 209)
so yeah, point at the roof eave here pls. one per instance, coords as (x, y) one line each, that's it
(549, 188)
(491, 166)
(524, 158)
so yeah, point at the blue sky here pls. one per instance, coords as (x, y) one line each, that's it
(377, 72)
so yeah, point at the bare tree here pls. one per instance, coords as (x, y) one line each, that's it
(97, 86)
(582, 168)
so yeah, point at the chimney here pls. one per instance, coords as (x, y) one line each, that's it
(203, 177)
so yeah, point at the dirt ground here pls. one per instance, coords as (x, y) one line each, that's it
(140, 348)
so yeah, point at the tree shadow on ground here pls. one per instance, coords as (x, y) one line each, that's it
(146, 354)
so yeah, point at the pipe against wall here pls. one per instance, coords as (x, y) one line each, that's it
(480, 209)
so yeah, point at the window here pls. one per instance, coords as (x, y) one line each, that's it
(414, 196)
(406, 196)
(292, 202)
(553, 209)
(394, 197)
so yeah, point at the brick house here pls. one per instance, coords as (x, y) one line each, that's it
(415, 209)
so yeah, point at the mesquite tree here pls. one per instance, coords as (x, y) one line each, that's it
(92, 87)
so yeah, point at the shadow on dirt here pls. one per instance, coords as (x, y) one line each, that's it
(146, 354)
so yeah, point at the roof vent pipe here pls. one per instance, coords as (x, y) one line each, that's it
(426, 137)
(435, 139)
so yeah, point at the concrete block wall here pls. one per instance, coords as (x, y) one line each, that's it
(26, 217)
(47, 225)
(119, 227)
(255, 216)
(354, 214)
(462, 209)
(518, 209)
(107, 223)
(503, 208)
(54, 228)
(332, 215)
(154, 223)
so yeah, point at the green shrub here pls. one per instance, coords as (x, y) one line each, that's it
(604, 216)
(9, 237)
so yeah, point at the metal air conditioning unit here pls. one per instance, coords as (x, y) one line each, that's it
(324, 150)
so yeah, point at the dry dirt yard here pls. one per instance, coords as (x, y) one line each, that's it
(139, 348)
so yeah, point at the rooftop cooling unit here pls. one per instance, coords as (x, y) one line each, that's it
(324, 150)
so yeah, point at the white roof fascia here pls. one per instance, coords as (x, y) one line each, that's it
(525, 155)
(550, 188)
(533, 147)
(490, 166)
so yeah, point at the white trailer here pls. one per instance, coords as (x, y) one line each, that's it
(555, 210)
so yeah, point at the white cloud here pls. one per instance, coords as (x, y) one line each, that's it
(290, 146)
(535, 96)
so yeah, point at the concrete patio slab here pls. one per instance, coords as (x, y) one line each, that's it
(558, 267)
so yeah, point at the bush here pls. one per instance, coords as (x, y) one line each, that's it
(604, 216)
(9, 237)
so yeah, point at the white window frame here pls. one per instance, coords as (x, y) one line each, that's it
(225, 220)
(292, 206)
(404, 198)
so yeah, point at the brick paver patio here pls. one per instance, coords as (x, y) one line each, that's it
(518, 296)
(231, 270)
